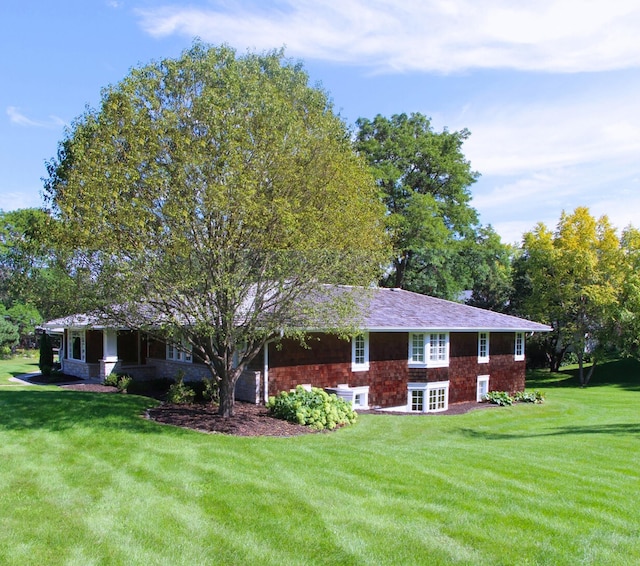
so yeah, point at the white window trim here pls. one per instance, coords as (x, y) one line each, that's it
(181, 354)
(482, 379)
(429, 362)
(357, 396)
(362, 365)
(83, 345)
(427, 389)
(421, 341)
(518, 353)
(483, 359)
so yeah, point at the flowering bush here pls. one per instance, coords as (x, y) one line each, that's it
(315, 408)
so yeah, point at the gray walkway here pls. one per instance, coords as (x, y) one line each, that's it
(32, 379)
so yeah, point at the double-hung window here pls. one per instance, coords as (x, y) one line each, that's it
(429, 349)
(483, 347)
(360, 352)
(416, 348)
(438, 349)
(519, 346)
(181, 353)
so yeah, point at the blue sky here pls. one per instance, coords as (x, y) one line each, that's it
(550, 89)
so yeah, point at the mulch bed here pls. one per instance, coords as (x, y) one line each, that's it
(249, 419)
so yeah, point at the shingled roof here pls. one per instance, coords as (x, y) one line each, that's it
(383, 310)
(398, 310)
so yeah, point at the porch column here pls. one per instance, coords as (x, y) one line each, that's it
(109, 359)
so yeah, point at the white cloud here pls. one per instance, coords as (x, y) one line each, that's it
(515, 138)
(513, 205)
(432, 35)
(13, 200)
(20, 119)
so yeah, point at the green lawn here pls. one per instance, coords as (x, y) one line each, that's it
(24, 363)
(84, 480)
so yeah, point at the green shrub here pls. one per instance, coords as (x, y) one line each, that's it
(111, 380)
(529, 397)
(45, 361)
(211, 391)
(501, 398)
(315, 408)
(180, 393)
(121, 381)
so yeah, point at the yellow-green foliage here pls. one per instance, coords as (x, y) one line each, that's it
(315, 408)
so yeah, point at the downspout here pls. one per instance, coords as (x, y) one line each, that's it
(265, 372)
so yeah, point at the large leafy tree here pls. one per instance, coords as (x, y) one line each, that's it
(628, 324)
(572, 279)
(490, 264)
(424, 179)
(211, 197)
(32, 267)
(9, 332)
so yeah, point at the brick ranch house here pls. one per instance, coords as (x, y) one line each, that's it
(415, 353)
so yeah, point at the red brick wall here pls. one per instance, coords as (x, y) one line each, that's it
(326, 362)
(505, 374)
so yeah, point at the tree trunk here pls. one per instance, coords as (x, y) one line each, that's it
(227, 396)
(590, 374)
(555, 359)
(401, 265)
(581, 367)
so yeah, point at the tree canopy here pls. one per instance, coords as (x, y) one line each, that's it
(32, 266)
(572, 279)
(218, 192)
(424, 179)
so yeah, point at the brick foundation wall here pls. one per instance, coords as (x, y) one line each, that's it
(80, 369)
(170, 369)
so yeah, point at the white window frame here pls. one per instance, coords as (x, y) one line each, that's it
(417, 400)
(518, 347)
(429, 349)
(483, 347)
(417, 349)
(181, 354)
(482, 387)
(357, 396)
(360, 352)
(430, 397)
(83, 345)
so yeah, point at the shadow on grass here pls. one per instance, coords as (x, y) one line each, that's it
(616, 429)
(623, 373)
(59, 410)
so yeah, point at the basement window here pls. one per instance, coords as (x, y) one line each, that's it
(482, 387)
(428, 397)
